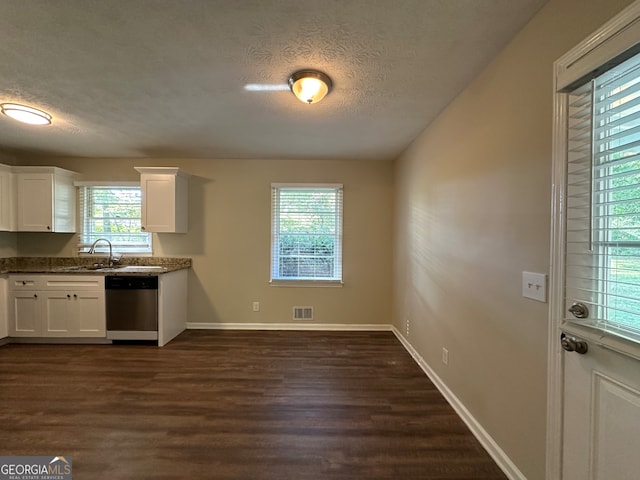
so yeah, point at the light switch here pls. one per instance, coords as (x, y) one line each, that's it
(534, 286)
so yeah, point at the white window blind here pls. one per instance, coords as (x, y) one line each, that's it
(306, 232)
(114, 213)
(603, 200)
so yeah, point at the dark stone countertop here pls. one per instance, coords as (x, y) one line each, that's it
(86, 265)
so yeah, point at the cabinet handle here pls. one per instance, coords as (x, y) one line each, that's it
(142, 228)
(23, 282)
(35, 295)
(75, 296)
(48, 227)
(68, 296)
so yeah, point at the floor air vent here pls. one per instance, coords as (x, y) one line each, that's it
(303, 313)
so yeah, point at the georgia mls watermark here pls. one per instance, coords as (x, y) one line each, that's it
(35, 468)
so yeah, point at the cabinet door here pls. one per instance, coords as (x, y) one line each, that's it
(58, 315)
(7, 206)
(25, 315)
(158, 203)
(89, 314)
(74, 314)
(35, 202)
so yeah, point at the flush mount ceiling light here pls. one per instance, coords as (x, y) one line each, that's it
(310, 86)
(25, 114)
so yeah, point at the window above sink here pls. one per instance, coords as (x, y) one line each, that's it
(112, 211)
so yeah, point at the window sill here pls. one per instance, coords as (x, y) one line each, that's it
(279, 282)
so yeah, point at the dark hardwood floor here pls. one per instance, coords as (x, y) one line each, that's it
(236, 405)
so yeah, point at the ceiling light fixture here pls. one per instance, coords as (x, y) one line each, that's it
(25, 114)
(310, 86)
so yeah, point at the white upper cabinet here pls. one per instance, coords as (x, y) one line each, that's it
(7, 199)
(164, 199)
(46, 199)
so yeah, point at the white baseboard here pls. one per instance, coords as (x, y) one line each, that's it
(489, 444)
(289, 326)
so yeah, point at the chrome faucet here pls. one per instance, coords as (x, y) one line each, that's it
(92, 250)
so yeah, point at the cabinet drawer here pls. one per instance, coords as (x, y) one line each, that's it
(19, 283)
(73, 282)
(25, 282)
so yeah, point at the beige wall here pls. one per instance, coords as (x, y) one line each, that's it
(8, 245)
(229, 236)
(472, 212)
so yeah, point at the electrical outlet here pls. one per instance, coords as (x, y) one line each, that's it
(256, 306)
(445, 356)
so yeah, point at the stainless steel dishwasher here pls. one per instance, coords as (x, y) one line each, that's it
(132, 307)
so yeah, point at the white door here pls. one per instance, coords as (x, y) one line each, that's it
(601, 416)
(594, 408)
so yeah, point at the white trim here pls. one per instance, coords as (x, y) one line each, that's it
(336, 280)
(556, 292)
(290, 326)
(174, 171)
(280, 282)
(611, 40)
(493, 449)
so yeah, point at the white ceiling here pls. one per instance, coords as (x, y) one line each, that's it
(165, 78)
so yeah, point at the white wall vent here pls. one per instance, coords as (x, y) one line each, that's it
(303, 313)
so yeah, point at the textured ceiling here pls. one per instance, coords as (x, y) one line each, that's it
(165, 78)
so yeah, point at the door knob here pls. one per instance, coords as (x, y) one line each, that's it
(572, 344)
(579, 310)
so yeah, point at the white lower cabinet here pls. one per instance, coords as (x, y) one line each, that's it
(74, 314)
(25, 314)
(57, 306)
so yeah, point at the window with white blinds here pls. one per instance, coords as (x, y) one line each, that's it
(603, 200)
(114, 213)
(306, 233)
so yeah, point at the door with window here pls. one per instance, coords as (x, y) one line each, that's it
(595, 312)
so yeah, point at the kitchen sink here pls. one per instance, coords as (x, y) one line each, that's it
(139, 267)
(84, 268)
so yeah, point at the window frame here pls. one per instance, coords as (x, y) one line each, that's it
(602, 132)
(84, 245)
(337, 280)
